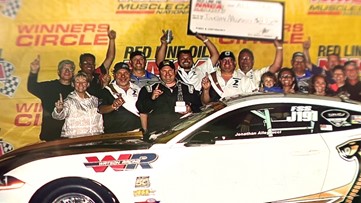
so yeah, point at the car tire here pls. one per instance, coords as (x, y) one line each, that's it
(72, 190)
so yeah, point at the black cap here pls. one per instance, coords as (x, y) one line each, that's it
(297, 54)
(166, 63)
(226, 54)
(136, 53)
(121, 65)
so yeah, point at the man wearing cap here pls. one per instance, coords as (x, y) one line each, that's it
(118, 102)
(98, 77)
(187, 71)
(250, 75)
(167, 100)
(140, 76)
(224, 82)
(303, 74)
(48, 92)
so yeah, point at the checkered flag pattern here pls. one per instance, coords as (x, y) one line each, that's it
(10, 86)
(5, 147)
(8, 68)
(11, 8)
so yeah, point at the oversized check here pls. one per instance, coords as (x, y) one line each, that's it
(237, 19)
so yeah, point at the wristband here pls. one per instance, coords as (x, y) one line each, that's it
(279, 47)
(206, 40)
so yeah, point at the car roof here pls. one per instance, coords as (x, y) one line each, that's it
(229, 101)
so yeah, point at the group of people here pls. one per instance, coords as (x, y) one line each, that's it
(91, 102)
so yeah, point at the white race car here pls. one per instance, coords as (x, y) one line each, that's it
(259, 148)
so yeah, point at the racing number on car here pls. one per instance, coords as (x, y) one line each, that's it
(123, 162)
(302, 113)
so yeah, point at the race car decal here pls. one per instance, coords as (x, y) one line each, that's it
(143, 192)
(326, 127)
(350, 193)
(142, 181)
(302, 113)
(123, 162)
(349, 151)
(336, 117)
(356, 119)
(149, 201)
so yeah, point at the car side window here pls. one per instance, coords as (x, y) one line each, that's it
(278, 120)
(261, 121)
(338, 119)
(233, 125)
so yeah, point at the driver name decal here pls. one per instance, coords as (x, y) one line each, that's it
(122, 163)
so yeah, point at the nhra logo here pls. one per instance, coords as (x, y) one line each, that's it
(5, 147)
(123, 162)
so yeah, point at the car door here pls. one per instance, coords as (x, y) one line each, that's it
(225, 161)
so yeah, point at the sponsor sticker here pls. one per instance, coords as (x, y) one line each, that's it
(336, 117)
(151, 200)
(356, 119)
(142, 181)
(143, 192)
(122, 163)
(326, 127)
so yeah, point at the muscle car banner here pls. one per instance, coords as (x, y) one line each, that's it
(58, 30)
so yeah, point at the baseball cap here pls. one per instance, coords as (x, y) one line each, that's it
(166, 63)
(121, 65)
(136, 53)
(297, 54)
(226, 54)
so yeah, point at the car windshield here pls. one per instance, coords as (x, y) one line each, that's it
(164, 135)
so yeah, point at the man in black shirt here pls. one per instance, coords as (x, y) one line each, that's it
(166, 101)
(353, 84)
(49, 93)
(118, 102)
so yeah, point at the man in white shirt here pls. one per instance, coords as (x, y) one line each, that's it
(251, 77)
(187, 71)
(224, 82)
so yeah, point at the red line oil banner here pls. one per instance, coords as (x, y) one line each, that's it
(58, 30)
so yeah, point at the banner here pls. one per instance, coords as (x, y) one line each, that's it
(58, 30)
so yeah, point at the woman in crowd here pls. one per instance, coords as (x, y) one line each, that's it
(287, 80)
(319, 86)
(339, 76)
(80, 111)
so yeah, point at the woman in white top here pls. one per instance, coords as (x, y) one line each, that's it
(80, 111)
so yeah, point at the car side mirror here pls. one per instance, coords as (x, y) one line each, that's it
(201, 138)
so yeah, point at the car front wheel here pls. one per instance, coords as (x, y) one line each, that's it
(72, 190)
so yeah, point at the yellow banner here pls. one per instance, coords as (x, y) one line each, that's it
(58, 30)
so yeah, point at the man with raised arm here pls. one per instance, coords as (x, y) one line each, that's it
(99, 77)
(48, 92)
(187, 71)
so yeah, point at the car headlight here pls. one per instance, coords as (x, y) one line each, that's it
(9, 183)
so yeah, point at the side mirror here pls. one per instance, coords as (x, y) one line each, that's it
(201, 138)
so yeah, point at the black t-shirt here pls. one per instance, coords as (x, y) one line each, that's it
(120, 120)
(48, 92)
(161, 112)
(353, 90)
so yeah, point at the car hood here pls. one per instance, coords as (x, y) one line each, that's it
(91, 144)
